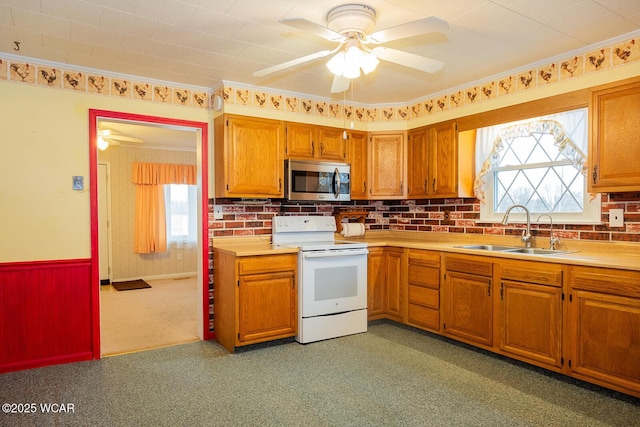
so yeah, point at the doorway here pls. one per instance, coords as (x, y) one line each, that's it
(199, 130)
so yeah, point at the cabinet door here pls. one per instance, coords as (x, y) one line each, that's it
(393, 266)
(254, 158)
(331, 144)
(468, 311)
(358, 161)
(375, 284)
(267, 306)
(301, 141)
(614, 115)
(606, 340)
(444, 162)
(531, 322)
(417, 164)
(386, 165)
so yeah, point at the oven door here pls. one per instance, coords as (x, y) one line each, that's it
(332, 281)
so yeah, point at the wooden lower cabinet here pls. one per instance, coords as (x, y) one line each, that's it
(385, 293)
(468, 306)
(376, 284)
(605, 327)
(394, 269)
(530, 311)
(255, 298)
(423, 289)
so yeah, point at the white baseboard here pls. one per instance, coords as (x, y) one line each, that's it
(160, 277)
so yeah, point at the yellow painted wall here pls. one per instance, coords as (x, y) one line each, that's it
(44, 141)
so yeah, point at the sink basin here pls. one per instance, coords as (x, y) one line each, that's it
(514, 249)
(488, 247)
(536, 251)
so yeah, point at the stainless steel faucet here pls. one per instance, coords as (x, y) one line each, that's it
(552, 239)
(526, 234)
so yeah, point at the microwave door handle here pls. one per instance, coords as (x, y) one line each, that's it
(336, 183)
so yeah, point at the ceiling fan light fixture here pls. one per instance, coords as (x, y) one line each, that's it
(336, 64)
(369, 62)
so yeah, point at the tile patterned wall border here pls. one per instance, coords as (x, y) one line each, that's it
(574, 66)
(31, 71)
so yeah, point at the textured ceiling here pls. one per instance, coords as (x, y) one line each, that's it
(206, 42)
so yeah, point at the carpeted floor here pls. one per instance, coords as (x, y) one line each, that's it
(390, 376)
(140, 319)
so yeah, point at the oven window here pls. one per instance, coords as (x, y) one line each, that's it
(336, 282)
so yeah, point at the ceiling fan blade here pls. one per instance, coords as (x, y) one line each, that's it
(313, 28)
(340, 84)
(123, 138)
(293, 63)
(410, 29)
(409, 59)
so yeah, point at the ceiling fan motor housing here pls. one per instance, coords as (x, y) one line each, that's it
(352, 18)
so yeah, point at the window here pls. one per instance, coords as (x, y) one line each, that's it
(181, 213)
(539, 163)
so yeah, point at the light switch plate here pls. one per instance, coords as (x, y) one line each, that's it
(616, 218)
(217, 212)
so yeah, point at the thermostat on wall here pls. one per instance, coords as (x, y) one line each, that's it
(78, 183)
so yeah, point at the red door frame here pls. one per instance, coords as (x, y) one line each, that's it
(94, 115)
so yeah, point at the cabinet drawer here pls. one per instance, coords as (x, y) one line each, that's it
(420, 316)
(615, 282)
(469, 265)
(532, 272)
(424, 276)
(424, 258)
(424, 296)
(267, 264)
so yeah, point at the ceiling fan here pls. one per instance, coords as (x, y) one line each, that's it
(107, 137)
(350, 26)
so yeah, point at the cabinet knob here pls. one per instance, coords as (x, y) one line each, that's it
(595, 173)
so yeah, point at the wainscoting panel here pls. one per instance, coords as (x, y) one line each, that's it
(45, 313)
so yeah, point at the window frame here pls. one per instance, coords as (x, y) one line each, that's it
(591, 213)
(191, 238)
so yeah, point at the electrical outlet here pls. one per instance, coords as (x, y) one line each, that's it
(217, 211)
(447, 215)
(616, 218)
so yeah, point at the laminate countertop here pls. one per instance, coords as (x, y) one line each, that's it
(620, 255)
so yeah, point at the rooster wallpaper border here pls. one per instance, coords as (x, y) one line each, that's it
(131, 87)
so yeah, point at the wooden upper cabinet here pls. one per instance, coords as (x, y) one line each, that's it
(333, 145)
(443, 170)
(418, 164)
(305, 141)
(614, 117)
(358, 159)
(387, 165)
(249, 157)
(300, 141)
(439, 162)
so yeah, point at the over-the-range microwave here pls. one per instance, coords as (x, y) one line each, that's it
(317, 180)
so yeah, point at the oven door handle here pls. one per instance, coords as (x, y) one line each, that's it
(327, 254)
(336, 183)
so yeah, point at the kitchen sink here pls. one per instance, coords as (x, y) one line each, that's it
(537, 251)
(488, 247)
(514, 249)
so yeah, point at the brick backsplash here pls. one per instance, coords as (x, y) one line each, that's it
(253, 219)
